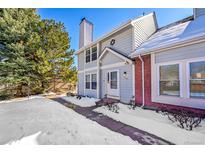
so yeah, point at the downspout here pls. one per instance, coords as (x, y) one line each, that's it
(143, 83)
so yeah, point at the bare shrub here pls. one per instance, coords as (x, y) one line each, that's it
(184, 119)
(113, 107)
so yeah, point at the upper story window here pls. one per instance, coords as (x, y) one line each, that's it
(91, 54)
(197, 79)
(87, 55)
(94, 53)
(169, 82)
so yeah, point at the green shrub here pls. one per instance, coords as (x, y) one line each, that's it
(4, 95)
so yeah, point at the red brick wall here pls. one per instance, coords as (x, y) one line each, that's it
(147, 77)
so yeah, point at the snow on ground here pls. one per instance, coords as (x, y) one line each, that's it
(157, 124)
(83, 102)
(42, 121)
(14, 100)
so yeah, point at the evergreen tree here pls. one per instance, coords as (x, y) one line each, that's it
(55, 42)
(32, 51)
(16, 37)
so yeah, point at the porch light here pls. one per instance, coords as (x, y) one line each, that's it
(125, 75)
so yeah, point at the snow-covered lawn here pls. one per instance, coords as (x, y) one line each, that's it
(42, 121)
(157, 124)
(15, 100)
(83, 102)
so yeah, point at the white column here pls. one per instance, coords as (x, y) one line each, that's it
(84, 52)
(98, 71)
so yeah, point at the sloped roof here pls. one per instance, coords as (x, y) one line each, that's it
(173, 34)
(115, 30)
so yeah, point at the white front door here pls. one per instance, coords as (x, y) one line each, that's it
(113, 84)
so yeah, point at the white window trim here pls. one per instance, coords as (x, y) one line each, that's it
(91, 81)
(90, 74)
(188, 74)
(180, 78)
(184, 100)
(86, 55)
(118, 84)
(91, 54)
(85, 81)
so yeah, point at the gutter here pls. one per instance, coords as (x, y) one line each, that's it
(143, 82)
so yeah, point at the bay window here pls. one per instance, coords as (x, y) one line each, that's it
(169, 83)
(197, 79)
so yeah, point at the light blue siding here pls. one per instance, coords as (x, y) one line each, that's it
(109, 58)
(123, 41)
(143, 29)
(199, 12)
(126, 85)
(81, 61)
(91, 64)
(187, 52)
(81, 83)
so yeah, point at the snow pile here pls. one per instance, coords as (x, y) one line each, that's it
(157, 124)
(43, 121)
(83, 102)
(28, 140)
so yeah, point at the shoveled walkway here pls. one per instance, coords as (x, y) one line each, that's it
(136, 134)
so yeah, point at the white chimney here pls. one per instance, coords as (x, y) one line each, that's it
(86, 32)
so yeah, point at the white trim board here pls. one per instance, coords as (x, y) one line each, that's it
(113, 65)
(118, 83)
(104, 67)
(90, 74)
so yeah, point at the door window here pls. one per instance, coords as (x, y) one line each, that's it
(113, 80)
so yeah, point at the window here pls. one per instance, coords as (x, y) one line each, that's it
(87, 56)
(91, 81)
(94, 81)
(94, 53)
(113, 80)
(169, 83)
(87, 81)
(197, 79)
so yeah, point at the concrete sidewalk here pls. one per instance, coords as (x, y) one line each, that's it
(136, 134)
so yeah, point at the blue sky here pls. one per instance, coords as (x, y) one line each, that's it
(105, 20)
